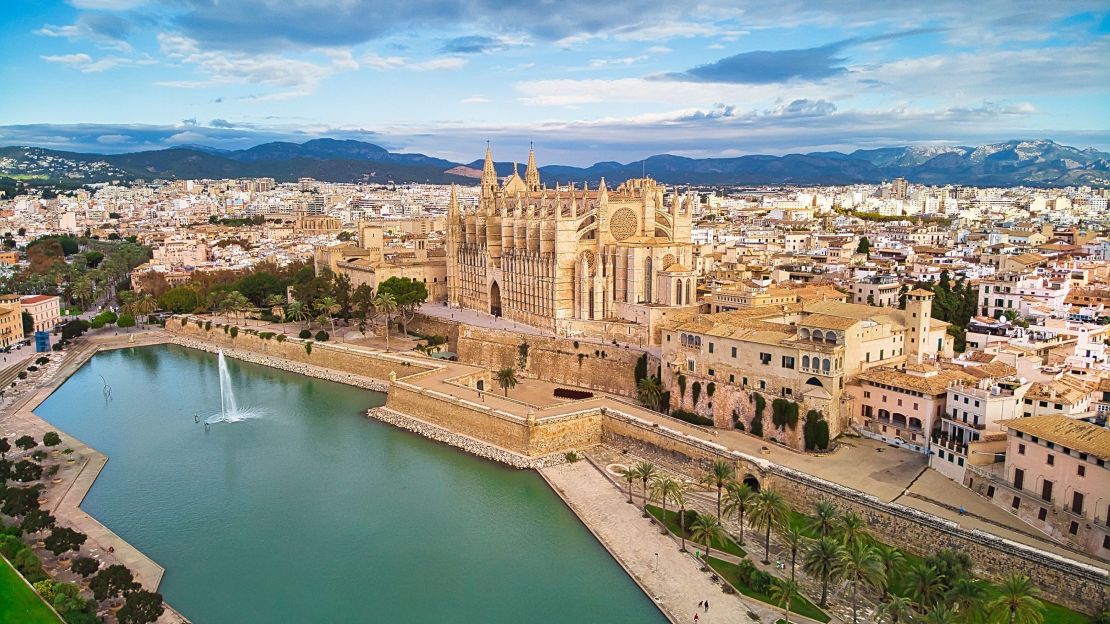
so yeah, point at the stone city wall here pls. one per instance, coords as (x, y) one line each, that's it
(1073, 584)
(583, 364)
(461, 416)
(336, 357)
(432, 326)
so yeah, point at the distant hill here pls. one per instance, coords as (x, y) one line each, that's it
(1012, 163)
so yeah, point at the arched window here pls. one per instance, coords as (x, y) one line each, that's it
(689, 291)
(825, 364)
(803, 333)
(805, 361)
(647, 279)
(678, 292)
(818, 335)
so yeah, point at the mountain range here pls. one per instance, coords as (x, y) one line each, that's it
(1039, 162)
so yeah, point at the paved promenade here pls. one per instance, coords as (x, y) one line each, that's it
(671, 578)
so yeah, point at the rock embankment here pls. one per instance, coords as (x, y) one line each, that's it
(465, 443)
(377, 385)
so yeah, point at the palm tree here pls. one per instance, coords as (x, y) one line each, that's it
(277, 301)
(650, 392)
(821, 560)
(968, 597)
(142, 306)
(662, 488)
(83, 291)
(784, 593)
(629, 476)
(896, 609)
(645, 471)
(860, 564)
(299, 312)
(894, 562)
(794, 539)
(679, 497)
(852, 530)
(705, 530)
(506, 377)
(386, 303)
(719, 474)
(1017, 602)
(327, 306)
(769, 511)
(925, 584)
(738, 499)
(824, 518)
(941, 615)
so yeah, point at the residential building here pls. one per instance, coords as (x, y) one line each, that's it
(45, 311)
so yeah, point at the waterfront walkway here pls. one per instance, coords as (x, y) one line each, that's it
(672, 579)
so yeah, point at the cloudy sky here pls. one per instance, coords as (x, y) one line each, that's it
(587, 80)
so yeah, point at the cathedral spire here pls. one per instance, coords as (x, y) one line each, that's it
(532, 173)
(489, 174)
(453, 203)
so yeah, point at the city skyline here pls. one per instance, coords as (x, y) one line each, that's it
(589, 83)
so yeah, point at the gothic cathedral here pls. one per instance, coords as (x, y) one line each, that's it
(549, 257)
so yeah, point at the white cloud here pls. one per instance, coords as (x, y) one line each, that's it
(68, 59)
(109, 5)
(383, 63)
(476, 99)
(113, 139)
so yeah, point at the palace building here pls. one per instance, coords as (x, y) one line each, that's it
(567, 259)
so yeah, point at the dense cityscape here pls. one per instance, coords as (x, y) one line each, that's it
(349, 311)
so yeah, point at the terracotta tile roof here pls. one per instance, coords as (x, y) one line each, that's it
(933, 384)
(33, 299)
(1075, 434)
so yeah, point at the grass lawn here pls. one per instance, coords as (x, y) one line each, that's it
(800, 605)
(18, 602)
(727, 545)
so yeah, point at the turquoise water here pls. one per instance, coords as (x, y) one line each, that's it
(314, 513)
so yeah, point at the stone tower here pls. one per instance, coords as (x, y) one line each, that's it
(919, 310)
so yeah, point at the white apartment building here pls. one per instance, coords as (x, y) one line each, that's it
(1019, 293)
(969, 431)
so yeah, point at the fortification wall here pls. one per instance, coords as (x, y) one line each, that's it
(605, 367)
(336, 357)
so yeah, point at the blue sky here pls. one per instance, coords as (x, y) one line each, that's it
(585, 80)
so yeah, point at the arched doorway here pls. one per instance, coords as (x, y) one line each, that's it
(751, 482)
(495, 299)
(481, 385)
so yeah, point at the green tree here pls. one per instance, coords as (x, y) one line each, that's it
(650, 392)
(63, 539)
(630, 478)
(739, 497)
(141, 607)
(5, 446)
(111, 582)
(821, 561)
(852, 530)
(662, 489)
(784, 592)
(328, 307)
(682, 391)
(794, 539)
(894, 562)
(824, 519)
(645, 471)
(408, 294)
(363, 301)
(125, 321)
(51, 438)
(969, 598)
(942, 615)
(896, 609)
(925, 585)
(720, 473)
(299, 312)
(864, 246)
(506, 379)
(26, 442)
(386, 303)
(26, 470)
(277, 302)
(234, 303)
(860, 565)
(342, 292)
(36, 520)
(705, 530)
(769, 511)
(1017, 602)
(679, 497)
(84, 566)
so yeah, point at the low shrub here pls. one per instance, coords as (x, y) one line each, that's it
(266, 335)
(571, 457)
(308, 348)
(22, 375)
(42, 360)
(570, 393)
(280, 337)
(692, 418)
(305, 334)
(32, 368)
(184, 321)
(322, 336)
(233, 332)
(207, 325)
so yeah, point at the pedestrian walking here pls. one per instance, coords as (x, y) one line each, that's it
(700, 603)
(695, 617)
(707, 606)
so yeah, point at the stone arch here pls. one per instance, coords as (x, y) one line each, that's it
(751, 481)
(813, 381)
(803, 333)
(805, 360)
(825, 365)
(495, 299)
(678, 292)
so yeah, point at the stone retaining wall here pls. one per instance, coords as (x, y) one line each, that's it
(466, 443)
(337, 357)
